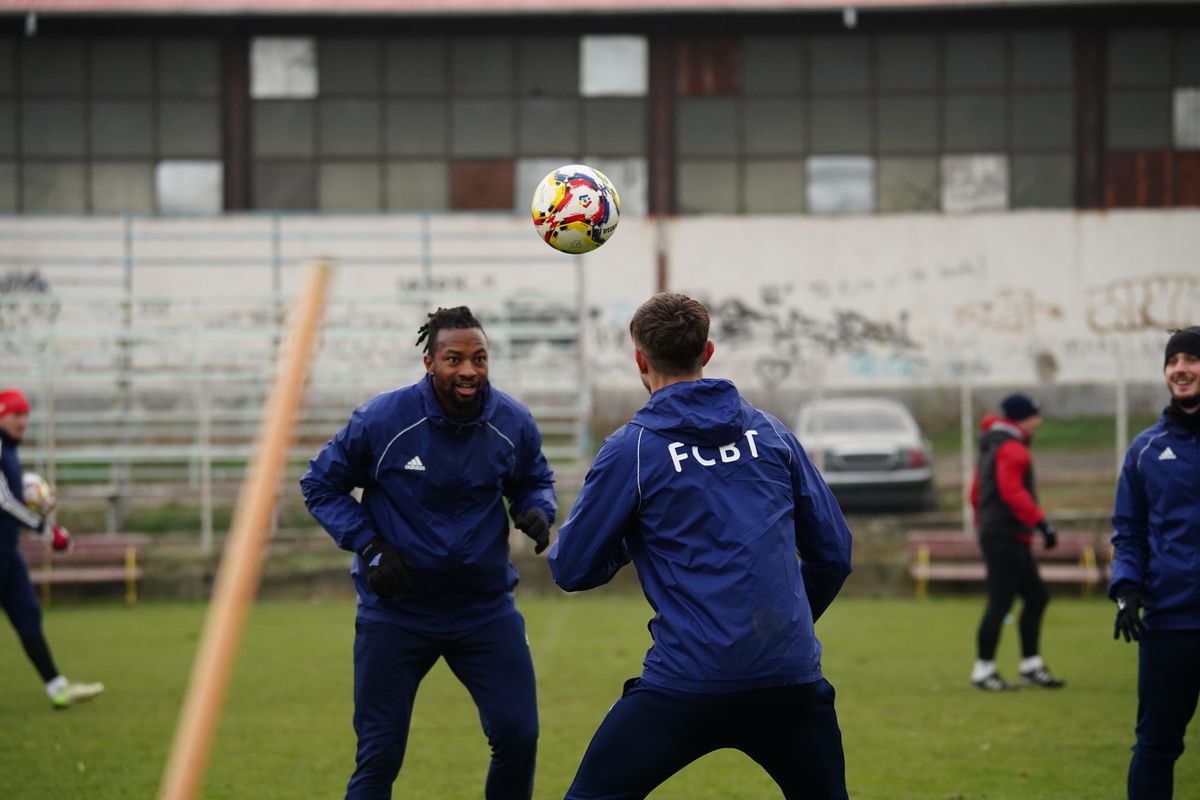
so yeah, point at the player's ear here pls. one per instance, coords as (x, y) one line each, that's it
(708, 352)
(640, 358)
(428, 363)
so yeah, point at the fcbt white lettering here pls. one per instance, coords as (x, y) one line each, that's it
(726, 453)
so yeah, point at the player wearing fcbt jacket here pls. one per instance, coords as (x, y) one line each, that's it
(1006, 513)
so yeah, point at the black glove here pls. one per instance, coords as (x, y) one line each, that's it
(532, 523)
(386, 573)
(1129, 620)
(1049, 534)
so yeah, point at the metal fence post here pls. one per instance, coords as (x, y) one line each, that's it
(206, 488)
(1122, 416)
(968, 452)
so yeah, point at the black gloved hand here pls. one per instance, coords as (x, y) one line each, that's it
(1129, 620)
(533, 524)
(1049, 534)
(386, 573)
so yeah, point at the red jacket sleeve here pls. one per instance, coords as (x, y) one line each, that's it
(1012, 462)
(974, 495)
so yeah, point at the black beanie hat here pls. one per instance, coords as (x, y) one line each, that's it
(1019, 406)
(1183, 341)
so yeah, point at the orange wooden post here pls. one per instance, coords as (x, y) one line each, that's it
(241, 564)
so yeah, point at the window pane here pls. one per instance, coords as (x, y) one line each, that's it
(283, 128)
(707, 187)
(1187, 58)
(8, 187)
(284, 186)
(53, 188)
(482, 128)
(908, 124)
(906, 62)
(417, 66)
(52, 66)
(1139, 57)
(1187, 119)
(479, 185)
(123, 188)
(840, 64)
(975, 122)
(482, 66)
(8, 127)
(774, 126)
(349, 127)
(417, 127)
(1043, 58)
(529, 173)
(52, 128)
(122, 128)
(348, 66)
(418, 186)
(841, 125)
(1139, 120)
(630, 177)
(774, 187)
(8, 81)
(772, 65)
(283, 67)
(189, 187)
(1045, 119)
(548, 65)
(841, 185)
(1043, 181)
(349, 187)
(550, 126)
(706, 126)
(974, 183)
(614, 127)
(189, 67)
(189, 130)
(613, 66)
(974, 60)
(908, 184)
(121, 66)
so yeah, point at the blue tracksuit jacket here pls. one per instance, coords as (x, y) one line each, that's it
(712, 499)
(1156, 524)
(433, 486)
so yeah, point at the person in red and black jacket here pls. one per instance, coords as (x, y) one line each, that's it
(1006, 514)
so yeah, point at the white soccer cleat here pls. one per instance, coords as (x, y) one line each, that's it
(75, 693)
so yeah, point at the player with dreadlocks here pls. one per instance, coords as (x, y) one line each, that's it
(435, 461)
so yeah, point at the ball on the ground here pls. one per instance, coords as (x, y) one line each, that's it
(36, 491)
(575, 209)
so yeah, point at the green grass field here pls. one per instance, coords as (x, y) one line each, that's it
(912, 725)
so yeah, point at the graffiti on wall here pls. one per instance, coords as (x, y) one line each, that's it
(1009, 310)
(26, 305)
(1150, 303)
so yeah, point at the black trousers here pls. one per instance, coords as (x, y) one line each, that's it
(1011, 571)
(1168, 688)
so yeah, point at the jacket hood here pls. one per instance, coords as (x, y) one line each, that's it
(708, 412)
(433, 407)
(994, 423)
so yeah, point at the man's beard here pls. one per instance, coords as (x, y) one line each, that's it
(459, 407)
(1187, 403)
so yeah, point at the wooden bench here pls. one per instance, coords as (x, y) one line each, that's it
(952, 556)
(92, 559)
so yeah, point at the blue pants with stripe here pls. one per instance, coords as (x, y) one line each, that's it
(1168, 688)
(17, 595)
(652, 733)
(492, 661)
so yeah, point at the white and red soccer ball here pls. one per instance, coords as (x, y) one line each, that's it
(575, 209)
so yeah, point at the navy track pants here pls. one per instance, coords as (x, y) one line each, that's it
(1168, 687)
(492, 661)
(17, 595)
(651, 733)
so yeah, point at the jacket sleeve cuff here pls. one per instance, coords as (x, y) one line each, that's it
(359, 539)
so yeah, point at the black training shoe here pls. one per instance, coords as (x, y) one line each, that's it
(1042, 677)
(993, 683)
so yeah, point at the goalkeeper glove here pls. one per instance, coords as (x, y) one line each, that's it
(386, 573)
(1049, 534)
(1129, 621)
(56, 537)
(533, 524)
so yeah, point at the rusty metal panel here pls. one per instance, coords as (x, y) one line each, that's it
(708, 66)
(481, 185)
(1187, 179)
(1139, 179)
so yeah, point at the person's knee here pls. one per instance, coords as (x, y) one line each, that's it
(1158, 748)
(517, 736)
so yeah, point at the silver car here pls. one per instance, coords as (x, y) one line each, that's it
(870, 451)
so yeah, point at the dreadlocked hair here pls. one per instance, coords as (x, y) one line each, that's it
(445, 319)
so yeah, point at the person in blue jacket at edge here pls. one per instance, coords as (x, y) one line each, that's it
(435, 461)
(1156, 567)
(739, 547)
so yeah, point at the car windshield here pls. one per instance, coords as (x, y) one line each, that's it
(861, 421)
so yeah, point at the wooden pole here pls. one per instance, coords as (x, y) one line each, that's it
(241, 564)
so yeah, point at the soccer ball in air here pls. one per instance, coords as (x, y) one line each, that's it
(575, 209)
(37, 494)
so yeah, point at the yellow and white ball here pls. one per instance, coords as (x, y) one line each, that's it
(575, 209)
